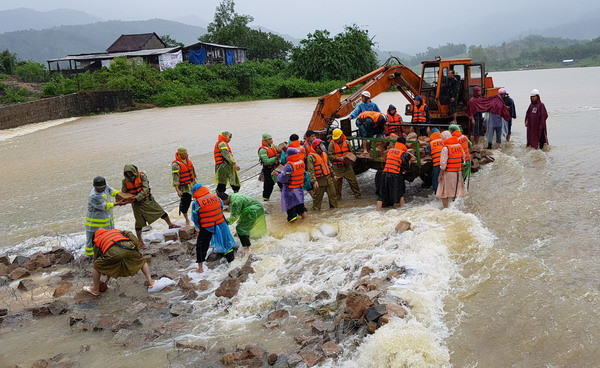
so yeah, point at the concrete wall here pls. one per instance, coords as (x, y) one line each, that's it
(60, 107)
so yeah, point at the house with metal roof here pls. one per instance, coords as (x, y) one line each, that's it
(149, 48)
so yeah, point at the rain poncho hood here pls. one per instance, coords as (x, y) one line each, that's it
(131, 168)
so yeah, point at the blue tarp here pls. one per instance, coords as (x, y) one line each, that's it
(229, 57)
(197, 57)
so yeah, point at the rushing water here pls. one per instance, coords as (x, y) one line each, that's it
(506, 277)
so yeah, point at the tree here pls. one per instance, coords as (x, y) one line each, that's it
(346, 56)
(8, 62)
(231, 28)
(170, 42)
(30, 71)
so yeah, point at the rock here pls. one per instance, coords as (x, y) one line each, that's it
(271, 359)
(371, 327)
(186, 232)
(311, 356)
(69, 275)
(38, 260)
(84, 297)
(4, 269)
(62, 289)
(190, 295)
(84, 349)
(20, 260)
(318, 327)
(76, 317)
(372, 314)
(271, 325)
(186, 283)
(323, 295)
(250, 356)
(371, 284)
(180, 308)
(228, 288)
(41, 311)
(174, 236)
(365, 271)
(4, 260)
(395, 310)
(64, 258)
(58, 307)
(304, 340)
(231, 359)
(403, 226)
(26, 285)
(278, 314)
(331, 349)
(3, 312)
(19, 273)
(340, 296)
(4, 280)
(188, 344)
(136, 307)
(203, 285)
(41, 363)
(294, 359)
(356, 304)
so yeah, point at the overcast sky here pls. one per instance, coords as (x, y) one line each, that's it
(408, 26)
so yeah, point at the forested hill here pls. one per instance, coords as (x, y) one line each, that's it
(41, 45)
(23, 18)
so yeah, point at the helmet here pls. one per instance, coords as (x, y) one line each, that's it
(502, 91)
(99, 181)
(337, 133)
(535, 92)
(366, 94)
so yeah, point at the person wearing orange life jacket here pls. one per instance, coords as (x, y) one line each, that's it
(452, 157)
(116, 254)
(268, 155)
(145, 209)
(292, 177)
(465, 143)
(208, 216)
(390, 181)
(393, 118)
(184, 177)
(435, 150)
(338, 150)
(226, 168)
(420, 115)
(319, 169)
(370, 124)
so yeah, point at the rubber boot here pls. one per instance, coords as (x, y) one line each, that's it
(245, 240)
(489, 146)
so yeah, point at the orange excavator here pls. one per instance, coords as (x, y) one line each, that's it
(431, 85)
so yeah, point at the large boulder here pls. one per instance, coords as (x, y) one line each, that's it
(19, 273)
(356, 304)
(228, 288)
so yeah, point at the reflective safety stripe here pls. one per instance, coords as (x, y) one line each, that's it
(393, 162)
(210, 211)
(89, 251)
(436, 151)
(464, 143)
(271, 152)
(297, 177)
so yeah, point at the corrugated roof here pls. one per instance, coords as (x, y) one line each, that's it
(132, 42)
(100, 56)
(214, 45)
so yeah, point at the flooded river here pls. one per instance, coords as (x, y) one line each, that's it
(506, 277)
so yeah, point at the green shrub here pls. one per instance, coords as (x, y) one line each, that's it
(30, 71)
(13, 95)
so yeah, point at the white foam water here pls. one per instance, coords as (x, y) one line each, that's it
(31, 128)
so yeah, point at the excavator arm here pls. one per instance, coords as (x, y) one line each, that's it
(331, 106)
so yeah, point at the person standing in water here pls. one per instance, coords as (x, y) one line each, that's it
(184, 177)
(99, 212)
(452, 157)
(226, 169)
(535, 121)
(292, 177)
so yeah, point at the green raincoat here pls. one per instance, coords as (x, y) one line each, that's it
(250, 213)
(225, 172)
(145, 209)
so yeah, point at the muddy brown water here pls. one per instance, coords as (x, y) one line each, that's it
(507, 277)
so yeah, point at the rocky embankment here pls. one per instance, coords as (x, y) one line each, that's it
(48, 285)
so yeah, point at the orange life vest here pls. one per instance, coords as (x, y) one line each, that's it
(419, 114)
(297, 176)
(393, 161)
(105, 239)
(340, 150)
(136, 186)
(455, 154)
(374, 115)
(186, 170)
(271, 152)
(436, 145)
(297, 145)
(464, 143)
(210, 211)
(393, 119)
(321, 164)
(217, 151)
